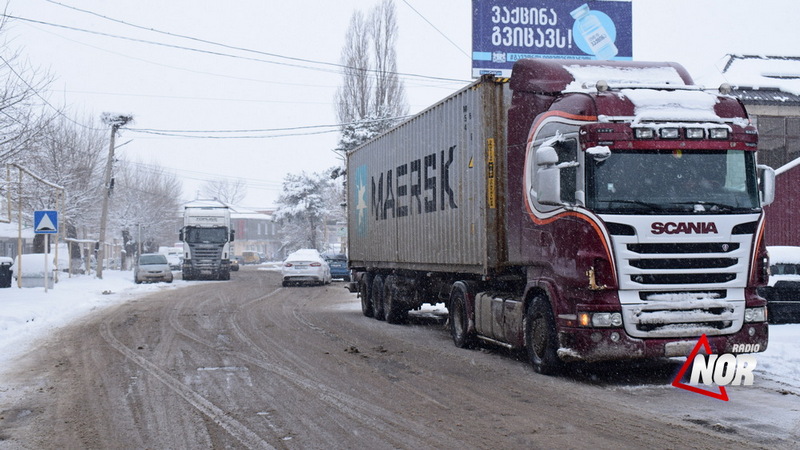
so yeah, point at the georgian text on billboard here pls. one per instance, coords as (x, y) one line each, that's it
(504, 31)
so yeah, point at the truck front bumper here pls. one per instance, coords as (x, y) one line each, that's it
(607, 344)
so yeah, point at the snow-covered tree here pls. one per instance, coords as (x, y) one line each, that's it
(307, 204)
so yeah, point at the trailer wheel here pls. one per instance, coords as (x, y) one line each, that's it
(365, 292)
(377, 297)
(459, 321)
(392, 306)
(541, 340)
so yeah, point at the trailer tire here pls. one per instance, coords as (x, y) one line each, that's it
(459, 321)
(392, 306)
(377, 297)
(541, 340)
(365, 292)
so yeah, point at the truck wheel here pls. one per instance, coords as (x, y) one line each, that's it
(186, 275)
(459, 321)
(377, 297)
(392, 306)
(365, 292)
(541, 340)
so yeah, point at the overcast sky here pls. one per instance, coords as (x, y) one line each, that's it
(170, 88)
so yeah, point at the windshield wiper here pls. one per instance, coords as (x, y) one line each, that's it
(652, 206)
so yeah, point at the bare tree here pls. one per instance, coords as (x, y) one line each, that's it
(371, 96)
(70, 156)
(146, 203)
(389, 97)
(230, 192)
(22, 117)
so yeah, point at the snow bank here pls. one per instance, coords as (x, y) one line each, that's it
(28, 314)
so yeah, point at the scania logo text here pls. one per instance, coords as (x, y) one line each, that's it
(683, 228)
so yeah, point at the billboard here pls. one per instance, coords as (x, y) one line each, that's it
(504, 31)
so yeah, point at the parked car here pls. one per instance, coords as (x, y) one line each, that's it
(783, 290)
(305, 265)
(338, 265)
(234, 265)
(152, 267)
(250, 258)
(175, 260)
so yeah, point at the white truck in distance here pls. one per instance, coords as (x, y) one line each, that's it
(206, 237)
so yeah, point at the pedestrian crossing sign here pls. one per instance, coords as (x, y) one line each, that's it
(45, 222)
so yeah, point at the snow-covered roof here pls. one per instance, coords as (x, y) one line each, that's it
(784, 254)
(11, 230)
(764, 78)
(587, 76)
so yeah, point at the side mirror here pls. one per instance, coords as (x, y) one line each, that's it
(232, 233)
(180, 236)
(767, 184)
(548, 176)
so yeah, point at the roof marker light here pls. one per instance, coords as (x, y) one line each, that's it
(718, 133)
(695, 133)
(670, 133)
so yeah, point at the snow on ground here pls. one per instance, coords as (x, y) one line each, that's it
(29, 314)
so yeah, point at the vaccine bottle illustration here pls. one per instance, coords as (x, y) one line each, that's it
(599, 42)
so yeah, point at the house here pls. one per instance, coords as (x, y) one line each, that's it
(255, 232)
(783, 215)
(9, 237)
(769, 87)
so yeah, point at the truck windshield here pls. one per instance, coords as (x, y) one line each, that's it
(678, 181)
(206, 235)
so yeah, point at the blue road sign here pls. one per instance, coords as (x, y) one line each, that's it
(45, 222)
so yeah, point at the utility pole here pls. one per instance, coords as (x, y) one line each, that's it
(115, 121)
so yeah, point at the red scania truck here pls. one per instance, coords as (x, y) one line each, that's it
(580, 210)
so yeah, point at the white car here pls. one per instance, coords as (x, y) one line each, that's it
(783, 292)
(303, 266)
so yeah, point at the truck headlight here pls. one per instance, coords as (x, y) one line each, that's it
(600, 319)
(755, 314)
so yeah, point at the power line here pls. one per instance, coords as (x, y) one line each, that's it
(434, 27)
(213, 134)
(36, 92)
(215, 53)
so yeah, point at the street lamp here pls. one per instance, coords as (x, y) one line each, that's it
(115, 121)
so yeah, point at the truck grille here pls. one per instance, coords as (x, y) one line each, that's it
(206, 255)
(686, 285)
(696, 263)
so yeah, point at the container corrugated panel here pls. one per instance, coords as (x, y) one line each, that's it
(417, 195)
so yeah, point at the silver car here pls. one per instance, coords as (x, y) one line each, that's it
(152, 267)
(305, 265)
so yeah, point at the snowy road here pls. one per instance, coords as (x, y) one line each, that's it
(248, 364)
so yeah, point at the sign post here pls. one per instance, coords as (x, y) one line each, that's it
(45, 222)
